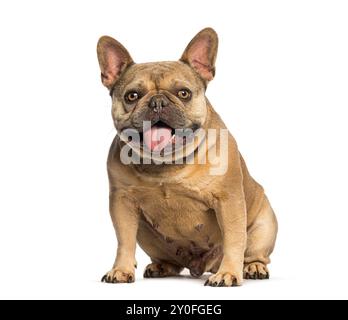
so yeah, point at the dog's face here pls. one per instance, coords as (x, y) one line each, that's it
(168, 96)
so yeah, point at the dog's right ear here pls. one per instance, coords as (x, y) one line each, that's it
(113, 60)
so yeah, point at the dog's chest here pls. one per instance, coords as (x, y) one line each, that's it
(177, 212)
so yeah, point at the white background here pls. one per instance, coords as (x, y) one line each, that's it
(281, 87)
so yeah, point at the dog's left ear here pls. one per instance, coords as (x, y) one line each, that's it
(201, 53)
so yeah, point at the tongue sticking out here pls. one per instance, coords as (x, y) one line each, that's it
(157, 138)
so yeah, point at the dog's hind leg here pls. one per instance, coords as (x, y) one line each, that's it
(260, 243)
(163, 263)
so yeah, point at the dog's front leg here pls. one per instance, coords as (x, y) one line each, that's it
(231, 215)
(125, 218)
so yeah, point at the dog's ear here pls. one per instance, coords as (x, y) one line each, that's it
(113, 60)
(201, 53)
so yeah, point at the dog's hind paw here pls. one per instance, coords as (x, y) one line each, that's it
(161, 270)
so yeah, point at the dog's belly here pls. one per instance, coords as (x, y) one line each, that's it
(181, 230)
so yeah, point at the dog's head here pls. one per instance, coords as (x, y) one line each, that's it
(167, 96)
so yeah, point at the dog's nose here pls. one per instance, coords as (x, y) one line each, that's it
(158, 102)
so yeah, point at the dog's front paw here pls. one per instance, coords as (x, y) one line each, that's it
(224, 279)
(118, 275)
(256, 270)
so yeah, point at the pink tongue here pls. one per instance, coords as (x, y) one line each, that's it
(157, 138)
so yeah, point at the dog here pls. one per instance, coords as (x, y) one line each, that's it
(180, 214)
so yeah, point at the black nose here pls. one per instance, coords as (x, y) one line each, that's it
(158, 102)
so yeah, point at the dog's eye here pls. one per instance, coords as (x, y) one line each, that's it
(184, 94)
(131, 96)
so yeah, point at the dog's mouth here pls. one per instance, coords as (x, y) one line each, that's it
(161, 137)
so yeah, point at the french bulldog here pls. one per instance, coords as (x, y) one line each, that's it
(170, 201)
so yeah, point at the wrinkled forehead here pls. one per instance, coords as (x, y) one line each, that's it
(159, 75)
